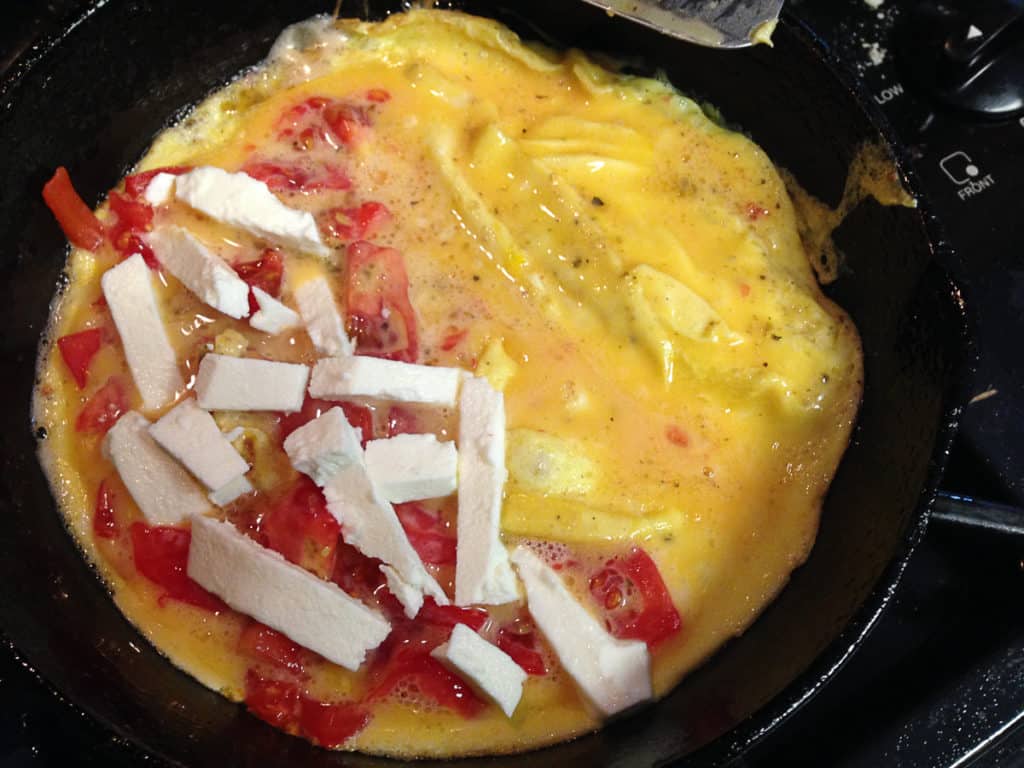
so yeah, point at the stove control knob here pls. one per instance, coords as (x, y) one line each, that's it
(969, 56)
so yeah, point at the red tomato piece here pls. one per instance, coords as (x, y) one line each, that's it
(356, 573)
(453, 339)
(135, 185)
(361, 223)
(450, 615)
(378, 95)
(291, 177)
(264, 273)
(78, 350)
(635, 600)
(132, 219)
(104, 524)
(260, 642)
(331, 725)
(380, 315)
(521, 647)
(358, 416)
(79, 223)
(348, 123)
(401, 421)
(300, 528)
(104, 408)
(161, 555)
(427, 534)
(434, 681)
(277, 702)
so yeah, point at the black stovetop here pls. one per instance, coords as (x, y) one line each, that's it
(940, 682)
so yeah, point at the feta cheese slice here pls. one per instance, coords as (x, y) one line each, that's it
(614, 674)
(325, 445)
(129, 293)
(369, 524)
(482, 571)
(335, 378)
(160, 189)
(164, 492)
(241, 201)
(190, 435)
(323, 321)
(410, 467)
(272, 317)
(226, 383)
(258, 582)
(231, 491)
(200, 270)
(489, 669)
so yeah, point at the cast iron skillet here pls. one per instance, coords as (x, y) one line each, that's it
(93, 99)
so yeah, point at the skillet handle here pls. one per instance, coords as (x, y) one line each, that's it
(954, 509)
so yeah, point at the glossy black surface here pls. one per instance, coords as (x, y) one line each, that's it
(94, 101)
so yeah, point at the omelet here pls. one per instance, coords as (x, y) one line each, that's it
(623, 274)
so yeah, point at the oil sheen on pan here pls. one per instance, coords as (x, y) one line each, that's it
(433, 393)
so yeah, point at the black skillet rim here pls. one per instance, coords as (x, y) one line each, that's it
(802, 689)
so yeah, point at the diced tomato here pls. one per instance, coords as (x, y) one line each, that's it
(259, 641)
(433, 680)
(331, 725)
(358, 416)
(132, 218)
(357, 574)
(264, 273)
(380, 315)
(78, 350)
(677, 436)
(378, 95)
(161, 555)
(635, 600)
(300, 528)
(277, 702)
(401, 421)
(361, 223)
(104, 524)
(135, 185)
(104, 408)
(522, 648)
(755, 211)
(450, 615)
(291, 177)
(79, 223)
(453, 339)
(349, 123)
(427, 534)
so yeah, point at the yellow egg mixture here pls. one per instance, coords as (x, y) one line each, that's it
(627, 271)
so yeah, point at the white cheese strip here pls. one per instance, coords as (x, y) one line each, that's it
(410, 597)
(160, 189)
(325, 445)
(241, 201)
(161, 487)
(226, 383)
(335, 378)
(200, 270)
(489, 669)
(258, 582)
(323, 321)
(273, 317)
(410, 467)
(614, 674)
(190, 435)
(482, 571)
(228, 493)
(129, 293)
(369, 524)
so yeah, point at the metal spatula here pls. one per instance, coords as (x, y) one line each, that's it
(714, 23)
